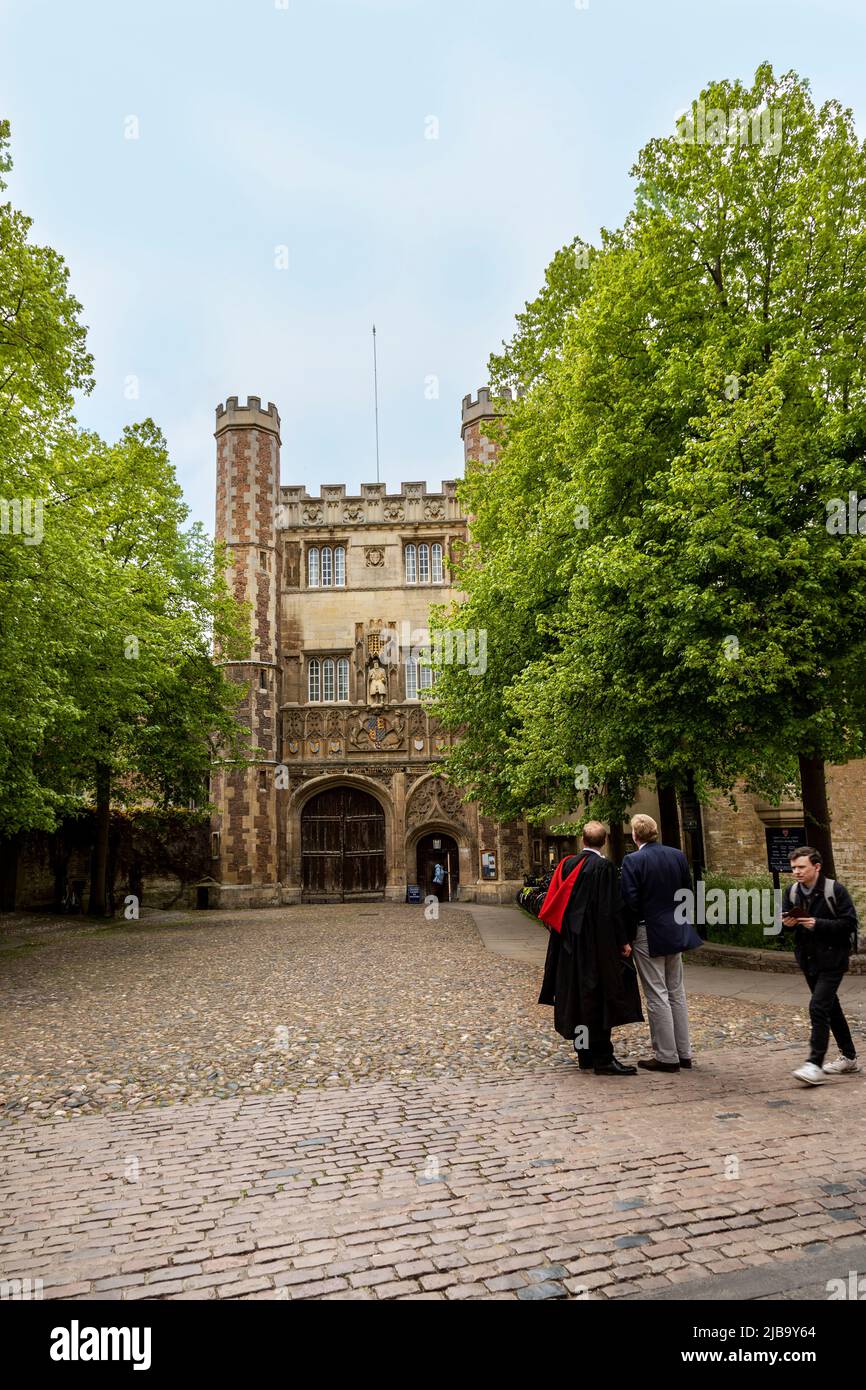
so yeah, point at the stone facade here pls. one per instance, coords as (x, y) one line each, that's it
(337, 607)
(736, 843)
(340, 588)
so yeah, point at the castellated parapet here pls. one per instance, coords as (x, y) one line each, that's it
(235, 416)
(374, 505)
(484, 407)
(477, 447)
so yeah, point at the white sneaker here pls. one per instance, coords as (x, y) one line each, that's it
(842, 1064)
(812, 1075)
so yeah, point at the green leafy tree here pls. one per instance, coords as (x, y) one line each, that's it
(43, 362)
(109, 608)
(149, 707)
(703, 402)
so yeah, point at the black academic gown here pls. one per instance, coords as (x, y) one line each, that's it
(586, 978)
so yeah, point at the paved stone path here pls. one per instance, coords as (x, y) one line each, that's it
(554, 1185)
(97, 1020)
(463, 1155)
(508, 932)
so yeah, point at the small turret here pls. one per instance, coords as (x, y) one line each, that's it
(477, 447)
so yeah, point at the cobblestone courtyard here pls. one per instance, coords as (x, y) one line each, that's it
(356, 1102)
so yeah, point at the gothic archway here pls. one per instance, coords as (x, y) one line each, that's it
(342, 846)
(438, 849)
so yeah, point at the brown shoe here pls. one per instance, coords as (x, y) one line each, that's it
(686, 1062)
(653, 1064)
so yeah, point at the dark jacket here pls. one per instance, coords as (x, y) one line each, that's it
(827, 945)
(586, 977)
(650, 879)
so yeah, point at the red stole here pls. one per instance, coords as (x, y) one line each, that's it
(557, 898)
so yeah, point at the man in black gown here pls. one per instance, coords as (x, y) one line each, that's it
(589, 975)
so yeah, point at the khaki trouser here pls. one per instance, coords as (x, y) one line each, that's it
(662, 980)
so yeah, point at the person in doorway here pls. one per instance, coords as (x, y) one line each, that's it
(820, 912)
(588, 974)
(651, 878)
(438, 880)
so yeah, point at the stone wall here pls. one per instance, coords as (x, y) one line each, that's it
(736, 843)
(157, 857)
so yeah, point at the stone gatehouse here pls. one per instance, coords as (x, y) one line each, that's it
(344, 800)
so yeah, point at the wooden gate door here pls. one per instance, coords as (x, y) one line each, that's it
(343, 846)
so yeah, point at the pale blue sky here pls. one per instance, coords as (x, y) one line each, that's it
(304, 126)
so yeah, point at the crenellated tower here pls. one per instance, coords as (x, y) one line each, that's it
(245, 842)
(477, 446)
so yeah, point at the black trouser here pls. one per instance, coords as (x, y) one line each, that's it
(826, 1013)
(599, 1052)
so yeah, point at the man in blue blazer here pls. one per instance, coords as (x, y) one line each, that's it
(651, 878)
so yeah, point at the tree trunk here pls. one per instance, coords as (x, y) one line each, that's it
(816, 813)
(669, 820)
(617, 841)
(693, 823)
(99, 874)
(9, 849)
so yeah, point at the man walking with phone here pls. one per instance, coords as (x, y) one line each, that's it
(824, 919)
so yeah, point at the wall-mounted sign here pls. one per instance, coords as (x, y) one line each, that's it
(780, 842)
(488, 864)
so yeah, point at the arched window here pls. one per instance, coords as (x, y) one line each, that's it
(313, 680)
(411, 577)
(343, 679)
(423, 564)
(340, 566)
(313, 567)
(327, 567)
(328, 680)
(436, 563)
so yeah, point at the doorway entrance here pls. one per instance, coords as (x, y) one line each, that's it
(342, 847)
(438, 849)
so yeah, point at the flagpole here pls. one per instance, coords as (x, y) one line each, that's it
(376, 400)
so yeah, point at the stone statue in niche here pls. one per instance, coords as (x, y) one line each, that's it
(377, 684)
(292, 565)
